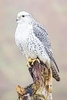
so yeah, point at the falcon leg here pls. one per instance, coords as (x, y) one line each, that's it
(30, 61)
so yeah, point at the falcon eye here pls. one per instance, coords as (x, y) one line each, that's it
(23, 16)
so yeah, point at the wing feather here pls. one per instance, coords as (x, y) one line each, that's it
(41, 33)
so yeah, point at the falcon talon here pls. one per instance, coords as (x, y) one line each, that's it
(29, 62)
(35, 60)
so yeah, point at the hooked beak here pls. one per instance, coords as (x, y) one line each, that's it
(17, 19)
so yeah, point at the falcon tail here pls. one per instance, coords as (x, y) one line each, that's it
(55, 72)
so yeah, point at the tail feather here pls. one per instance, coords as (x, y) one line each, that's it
(55, 65)
(55, 73)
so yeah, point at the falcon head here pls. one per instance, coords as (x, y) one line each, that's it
(24, 17)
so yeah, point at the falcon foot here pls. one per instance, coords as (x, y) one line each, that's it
(30, 61)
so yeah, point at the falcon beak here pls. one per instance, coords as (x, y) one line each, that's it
(17, 19)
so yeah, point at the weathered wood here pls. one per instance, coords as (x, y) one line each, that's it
(41, 88)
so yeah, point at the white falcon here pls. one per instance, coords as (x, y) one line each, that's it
(33, 41)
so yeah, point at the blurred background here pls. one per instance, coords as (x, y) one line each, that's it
(13, 71)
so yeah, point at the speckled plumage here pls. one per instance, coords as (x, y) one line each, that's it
(32, 40)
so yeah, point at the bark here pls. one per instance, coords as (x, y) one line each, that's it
(41, 88)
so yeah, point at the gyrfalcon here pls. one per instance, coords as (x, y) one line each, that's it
(32, 39)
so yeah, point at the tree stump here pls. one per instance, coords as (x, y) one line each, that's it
(41, 88)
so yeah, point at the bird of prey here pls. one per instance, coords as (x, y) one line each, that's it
(32, 39)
